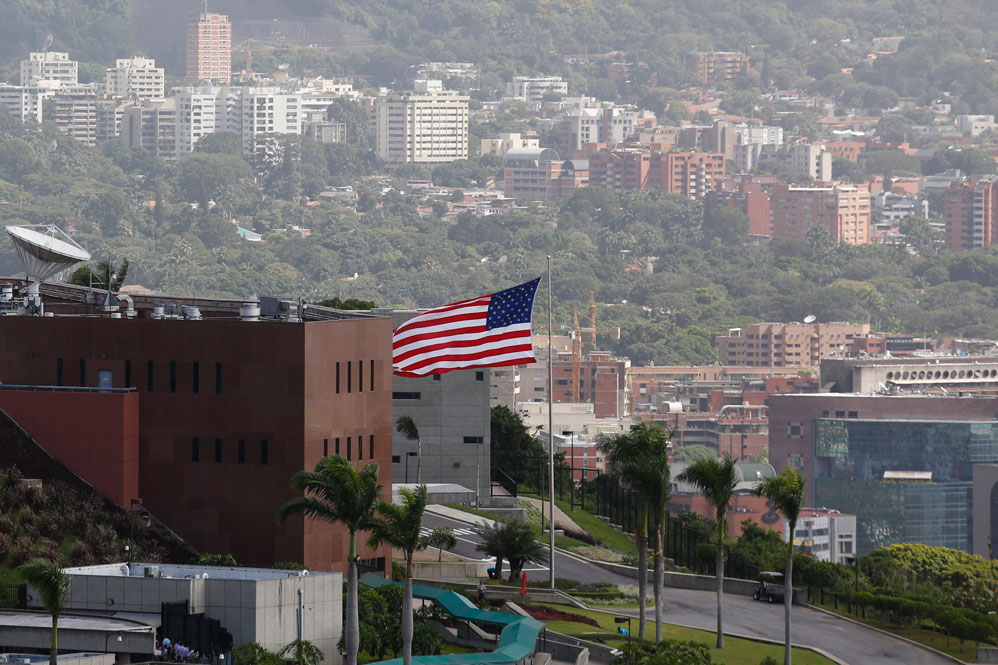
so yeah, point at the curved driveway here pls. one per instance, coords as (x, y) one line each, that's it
(849, 642)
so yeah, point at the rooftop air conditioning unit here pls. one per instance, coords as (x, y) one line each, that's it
(151, 571)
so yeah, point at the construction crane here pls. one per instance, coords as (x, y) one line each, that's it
(576, 334)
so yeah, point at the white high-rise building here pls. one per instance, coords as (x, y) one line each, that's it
(23, 103)
(426, 126)
(49, 69)
(135, 78)
(533, 88)
(198, 114)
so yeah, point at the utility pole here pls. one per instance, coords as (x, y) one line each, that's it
(550, 429)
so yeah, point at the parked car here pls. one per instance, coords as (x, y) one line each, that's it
(771, 588)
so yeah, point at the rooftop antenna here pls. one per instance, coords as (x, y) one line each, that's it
(810, 318)
(44, 251)
(49, 38)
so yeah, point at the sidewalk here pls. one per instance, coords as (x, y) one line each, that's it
(459, 515)
(561, 520)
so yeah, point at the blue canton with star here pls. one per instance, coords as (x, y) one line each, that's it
(512, 306)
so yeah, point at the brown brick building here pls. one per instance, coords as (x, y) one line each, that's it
(228, 409)
(970, 209)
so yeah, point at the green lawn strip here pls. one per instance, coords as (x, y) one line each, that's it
(563, 542)
(967, 652)
(599, 530)
(737, 651)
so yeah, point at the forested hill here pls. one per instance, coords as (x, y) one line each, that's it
(946, 45)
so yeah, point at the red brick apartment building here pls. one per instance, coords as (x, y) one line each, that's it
(205, 413)
(787, 344)
(753, 201)
(710, 66)
(843, 209)
(969, 212)
(209, 49)
(689, 174)
(537, 174)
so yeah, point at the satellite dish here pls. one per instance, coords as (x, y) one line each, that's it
(43, 253)
(503, 258)
(283, 66)
(49, 38)
(810, 318)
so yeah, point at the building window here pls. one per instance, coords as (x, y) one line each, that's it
(360, 376)
(337, 378)
(479, 376)
(58, 372)
(241, 451)
(325, 447)
(195, 450)
(360, 447)
(149, 381)
(337, 445)
(105, 379)
(474, 439)
(370, 446)
(218, 378)
(83, 372)
(349, 447)
(840, 414)
(218, 451)
(371, 372)
(437, 377)
(349, 375)
(264, 452)
(396, 459)
(173, 376)
(854, 414)
(396, 395)
(196, 378)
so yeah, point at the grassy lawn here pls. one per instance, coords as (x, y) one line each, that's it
(600, 530)
(736, 651)
(967, 652)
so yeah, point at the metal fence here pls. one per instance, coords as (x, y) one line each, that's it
(13, 596)
(604, 495)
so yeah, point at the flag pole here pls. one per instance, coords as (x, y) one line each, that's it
(550, 430)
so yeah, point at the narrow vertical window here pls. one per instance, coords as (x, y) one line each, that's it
(370, 446)
(360, 447)
(337, 445)
(349, 446)
(128, 373)
(83, 372)
(337, 378)
(58, 371)
(173, 376)
(196, 378)
(360, 376)
(241, 451)
(218, 451)
(349, 378)
(372, 375)
(325, 447)
(195, 450)
(149, 381)
(218, 378)
(264, 452)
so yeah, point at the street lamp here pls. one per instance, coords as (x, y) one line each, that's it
(626, 620)
(407, 456)
(117, 638)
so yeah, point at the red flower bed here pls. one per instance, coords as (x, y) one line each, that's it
(549, 614)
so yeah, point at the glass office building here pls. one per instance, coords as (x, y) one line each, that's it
(906, 481)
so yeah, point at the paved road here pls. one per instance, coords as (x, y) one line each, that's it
(851, 643)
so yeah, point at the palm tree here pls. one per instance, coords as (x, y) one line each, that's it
(510, 540)
(657, 497)
(442, 538)
(406, 426)
(399, 526)
(786, 493)
(52, 585)
(336, 492)
(638, 458)
(716, 479)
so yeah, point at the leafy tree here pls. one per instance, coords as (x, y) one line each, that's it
(226, 560)
(252, 653)
(52, 584)
(786, 493)
(337, 493)
(442, 538)
(399, 526)
(224, 143)
(512, 541)
(301, 652)
(350, 303)
(692, 452)
(511, 441)
(101, 275)
(716, 480)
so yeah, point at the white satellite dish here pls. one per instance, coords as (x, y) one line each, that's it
(43, 253)
(810, 318)
(283, 66)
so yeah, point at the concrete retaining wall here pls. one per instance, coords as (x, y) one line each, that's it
(450, 570)
(687, 580)
(987, 655)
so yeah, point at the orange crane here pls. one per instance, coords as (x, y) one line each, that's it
(576, 334)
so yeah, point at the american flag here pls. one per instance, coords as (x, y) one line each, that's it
(489, 331)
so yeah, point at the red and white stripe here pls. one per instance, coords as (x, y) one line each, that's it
(454, 337)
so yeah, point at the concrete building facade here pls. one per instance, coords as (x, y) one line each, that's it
(969, 213)
(827, 535)
(135, 78)
(426, 126)
(209, 49)
(152, 126)
(714, 66)
(533, 88)
(49, 69)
